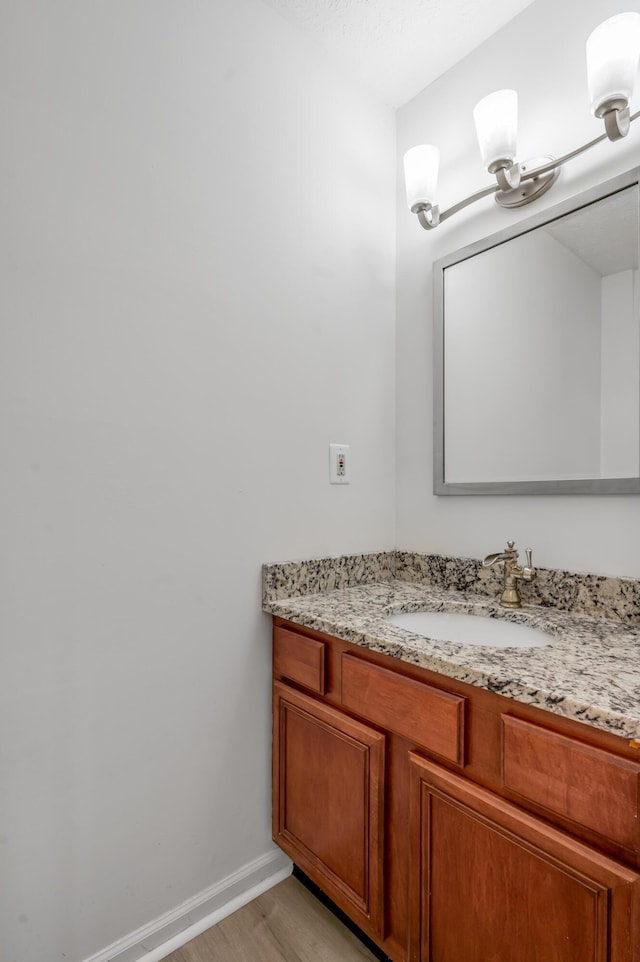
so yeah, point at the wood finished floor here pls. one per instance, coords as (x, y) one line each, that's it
(286, 924)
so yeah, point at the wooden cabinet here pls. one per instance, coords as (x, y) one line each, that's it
(588, 786)
(450, 823)
(300, 659)
(490, 882)
(328, 782)
(429, 716)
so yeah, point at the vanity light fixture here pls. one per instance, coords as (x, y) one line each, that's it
(613, 50)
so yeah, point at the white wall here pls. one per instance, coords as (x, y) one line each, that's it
(540, 54)
(197, 296)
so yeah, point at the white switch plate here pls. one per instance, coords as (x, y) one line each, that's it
(339, 464)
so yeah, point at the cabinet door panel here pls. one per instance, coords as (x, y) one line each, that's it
(490, 883)
(328, 801)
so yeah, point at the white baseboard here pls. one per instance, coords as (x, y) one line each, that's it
(158, 939)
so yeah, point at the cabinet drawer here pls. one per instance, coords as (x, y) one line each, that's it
(589, 786)
(299, 659)
(426, 716)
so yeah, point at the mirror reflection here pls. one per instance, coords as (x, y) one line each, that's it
(538, 384)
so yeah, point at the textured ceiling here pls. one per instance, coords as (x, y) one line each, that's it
(398, 47)
(603, 235)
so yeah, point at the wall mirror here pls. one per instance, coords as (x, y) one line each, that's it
(537, 353)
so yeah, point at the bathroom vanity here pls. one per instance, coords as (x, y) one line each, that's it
(460, 804)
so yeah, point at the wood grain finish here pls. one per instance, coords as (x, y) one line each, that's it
(589, 786)
(329, 802)
(426, 716)
(490, 882)
(299, 659)
(377, 696)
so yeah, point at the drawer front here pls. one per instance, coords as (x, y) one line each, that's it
(299, 659)
(426, 716)
(587, 785)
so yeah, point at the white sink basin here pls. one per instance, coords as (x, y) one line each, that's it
(466, 629)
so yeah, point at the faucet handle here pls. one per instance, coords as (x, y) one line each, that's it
(528, 553)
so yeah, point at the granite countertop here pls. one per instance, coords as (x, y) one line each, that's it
(590, 672)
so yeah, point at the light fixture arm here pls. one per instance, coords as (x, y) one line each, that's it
(617, 123)
(508, 177)
(431, 217)
(616, 120)
(511, 179)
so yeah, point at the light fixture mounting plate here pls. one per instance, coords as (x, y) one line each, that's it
(529, 190)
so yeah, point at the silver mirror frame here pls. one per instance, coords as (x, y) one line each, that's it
(582, 486)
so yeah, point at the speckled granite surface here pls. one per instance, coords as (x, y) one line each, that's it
(584, 594)
(590, 672)
(296, 578)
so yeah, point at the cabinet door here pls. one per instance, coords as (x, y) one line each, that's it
(490, 883)
(328, 796)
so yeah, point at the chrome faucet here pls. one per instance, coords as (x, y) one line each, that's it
(513, 573)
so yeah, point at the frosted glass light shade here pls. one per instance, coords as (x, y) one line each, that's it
(496, 120)
(421, 175)
(612, 60)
